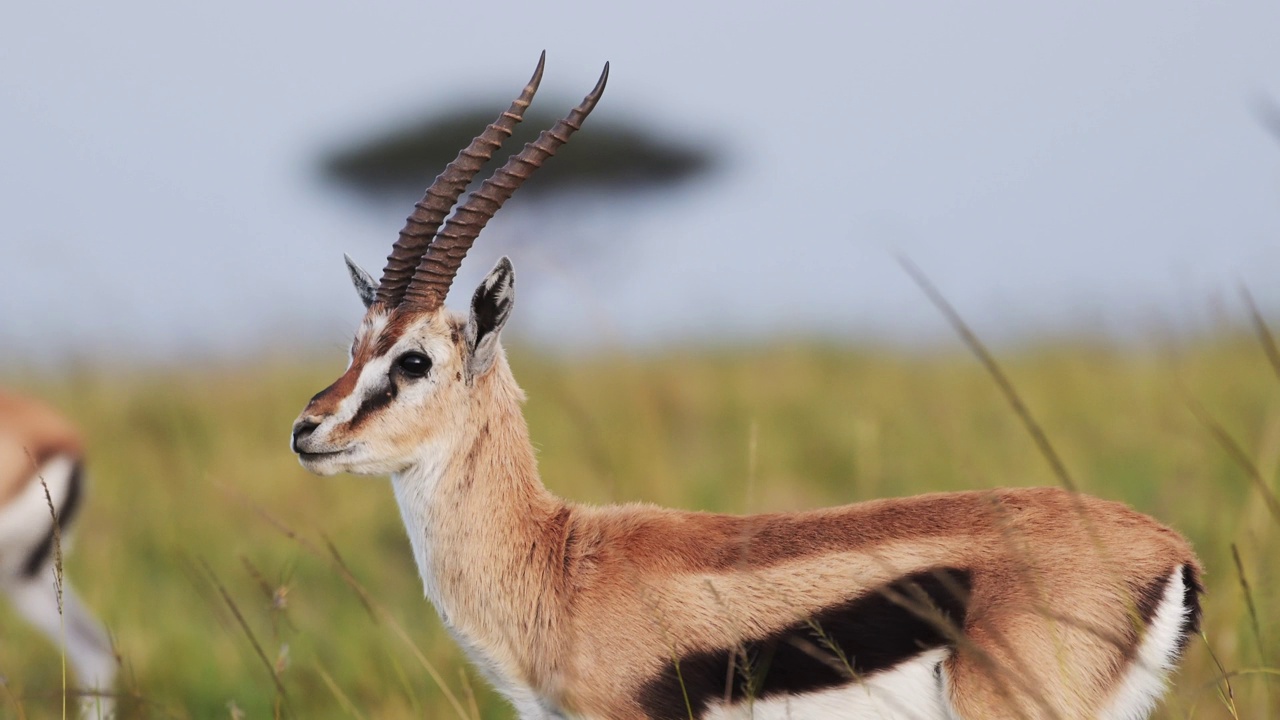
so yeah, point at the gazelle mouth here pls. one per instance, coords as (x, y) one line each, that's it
(324, 454)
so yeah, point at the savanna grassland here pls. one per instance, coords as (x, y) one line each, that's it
(237, 585)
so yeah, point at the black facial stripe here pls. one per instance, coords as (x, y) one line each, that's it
(875, 632)
(70, 505)
(376, 400)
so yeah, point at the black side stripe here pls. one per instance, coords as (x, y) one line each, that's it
(875, 632)
(375, 401)
(1149, 597)
(64, 516)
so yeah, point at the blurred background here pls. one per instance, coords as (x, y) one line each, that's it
(710, 312)
(1090, 166)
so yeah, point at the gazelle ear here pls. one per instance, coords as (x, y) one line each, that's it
(490, 306)
(366, 286)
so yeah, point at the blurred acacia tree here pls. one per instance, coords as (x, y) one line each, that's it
(604, 157)
(1267, 112)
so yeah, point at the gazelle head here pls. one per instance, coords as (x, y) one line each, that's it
(417, 370)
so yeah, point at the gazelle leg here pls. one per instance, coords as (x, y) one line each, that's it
(88, 646)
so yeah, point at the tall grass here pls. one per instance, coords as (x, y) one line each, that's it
(236, 584)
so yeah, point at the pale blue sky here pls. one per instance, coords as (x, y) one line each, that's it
(1075, 165)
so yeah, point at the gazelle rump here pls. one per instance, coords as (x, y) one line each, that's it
(41, 451)
(1008, 603)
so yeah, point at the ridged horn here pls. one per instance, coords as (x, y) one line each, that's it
(440, 263)
(431, 210)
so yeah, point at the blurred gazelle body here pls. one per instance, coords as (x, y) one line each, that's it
(1010, 603)
(37, 444)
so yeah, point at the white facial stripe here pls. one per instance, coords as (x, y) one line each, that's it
(373, 377)
(370, 327)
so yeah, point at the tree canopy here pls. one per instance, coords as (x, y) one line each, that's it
(604, 156)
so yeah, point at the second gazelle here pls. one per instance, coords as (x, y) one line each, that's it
(1020, 603)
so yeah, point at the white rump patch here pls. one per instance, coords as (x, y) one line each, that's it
(1144, 681)
(26, 520)
(911, 691)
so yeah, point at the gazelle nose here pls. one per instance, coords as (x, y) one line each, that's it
(301, 431)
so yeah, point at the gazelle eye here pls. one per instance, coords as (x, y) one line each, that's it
(414, 364)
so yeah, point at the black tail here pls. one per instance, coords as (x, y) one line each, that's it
(1192, 589)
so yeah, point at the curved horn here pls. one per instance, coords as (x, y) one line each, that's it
(434, 206)
(440, 263)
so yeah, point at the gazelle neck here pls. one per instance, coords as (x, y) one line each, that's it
(479, 518)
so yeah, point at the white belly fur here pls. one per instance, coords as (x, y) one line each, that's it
(910, 691)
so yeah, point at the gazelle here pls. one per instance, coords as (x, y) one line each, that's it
(42, 465)
(1009, 603)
